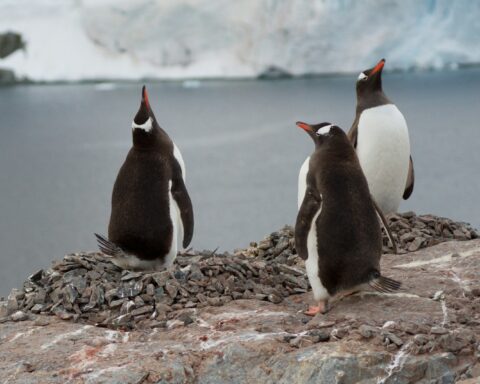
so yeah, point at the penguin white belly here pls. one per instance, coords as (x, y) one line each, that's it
(302, 181)
(311, 264)
(383, 149)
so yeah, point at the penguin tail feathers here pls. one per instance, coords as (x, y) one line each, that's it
(384, 284)
(107, 247)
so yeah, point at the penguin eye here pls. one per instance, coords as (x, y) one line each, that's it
(362, 77)
(325, 130)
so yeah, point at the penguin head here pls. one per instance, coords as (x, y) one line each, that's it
(321, 133)
(145, 129)
(370, 80)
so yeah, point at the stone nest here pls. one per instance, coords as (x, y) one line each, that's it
(88, 288)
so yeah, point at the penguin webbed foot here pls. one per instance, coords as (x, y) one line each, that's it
(322, 308)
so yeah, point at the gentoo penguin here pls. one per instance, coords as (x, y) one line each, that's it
(151, 208)
(379, 134)
(337, 232)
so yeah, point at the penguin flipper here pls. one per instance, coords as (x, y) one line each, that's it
(309, 208)
(385, 225)
(385, 284)
(181, 197)
(410, 181)
(353, 133)
(107, 247)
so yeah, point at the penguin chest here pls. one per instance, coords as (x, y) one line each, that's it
(312, 262)
(383, 149)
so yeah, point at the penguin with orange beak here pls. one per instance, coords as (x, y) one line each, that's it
(380, 137)
(337, 231)
(151, 208)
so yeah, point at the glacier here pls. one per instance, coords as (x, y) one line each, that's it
(73, 40)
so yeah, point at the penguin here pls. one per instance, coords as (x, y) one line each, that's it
(379, 134)
(337, 231)
(151, 208)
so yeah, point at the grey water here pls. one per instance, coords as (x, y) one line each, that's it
(62, 145)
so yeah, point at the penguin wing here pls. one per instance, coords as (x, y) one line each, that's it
(410, 181)
(384, 222)
(181, 197)
(353, 133)
(309, 208)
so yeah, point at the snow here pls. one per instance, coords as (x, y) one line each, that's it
(181, 39)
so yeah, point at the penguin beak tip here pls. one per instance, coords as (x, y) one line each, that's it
(379, 66)
(145, 96)
(306, 127)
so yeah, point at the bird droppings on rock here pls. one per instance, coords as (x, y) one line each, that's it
(425, 333)
(218, 298)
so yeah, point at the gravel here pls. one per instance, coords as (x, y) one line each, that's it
(88, 288)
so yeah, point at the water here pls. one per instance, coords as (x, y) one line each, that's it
(62, 145)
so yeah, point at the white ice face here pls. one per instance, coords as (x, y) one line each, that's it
(362, 76)
(147, 126)
(324, 130)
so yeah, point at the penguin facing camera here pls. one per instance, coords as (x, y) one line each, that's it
(379, 134)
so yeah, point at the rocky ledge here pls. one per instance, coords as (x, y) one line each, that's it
(239, 318)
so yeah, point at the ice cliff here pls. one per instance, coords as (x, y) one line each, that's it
(121, 39)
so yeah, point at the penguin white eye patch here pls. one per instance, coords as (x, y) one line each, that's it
(362, 76)
(324, 130)
(147, 126)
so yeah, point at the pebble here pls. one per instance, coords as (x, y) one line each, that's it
(88, 288)
(19, 316)
(389, 336)
(438, 331)
(367, 331)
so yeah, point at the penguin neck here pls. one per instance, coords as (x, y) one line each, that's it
(371, 99)
(151, 140)
(339, 149)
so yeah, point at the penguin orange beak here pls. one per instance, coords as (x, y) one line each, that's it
(378, 67)
(145, 97)
(304, 126)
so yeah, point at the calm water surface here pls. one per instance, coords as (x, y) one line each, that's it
(62, 145)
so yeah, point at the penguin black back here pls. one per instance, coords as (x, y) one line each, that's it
(348, 231)
(149, 195)
(337, 230)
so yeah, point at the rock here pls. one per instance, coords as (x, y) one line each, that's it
(438, 331)
(300, 342)
(9, 43)
(391, 337)
(257, 341)
(319, 335)
(246, 316)
(453, 342)
(367, 331)
(19, 316)
(274, 298)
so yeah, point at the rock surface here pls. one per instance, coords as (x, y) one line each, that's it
(428, 333)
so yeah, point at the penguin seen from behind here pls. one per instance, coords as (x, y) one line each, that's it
(151, 208)
(337, 231)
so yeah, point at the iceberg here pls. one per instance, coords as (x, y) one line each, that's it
(73, 40)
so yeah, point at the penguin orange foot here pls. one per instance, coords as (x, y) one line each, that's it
(322, 308)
